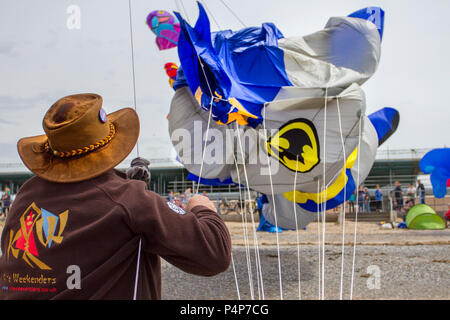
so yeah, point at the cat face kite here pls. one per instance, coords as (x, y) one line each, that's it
(298, 101)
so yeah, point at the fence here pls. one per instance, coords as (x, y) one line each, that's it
(233, 192)
(228, 206)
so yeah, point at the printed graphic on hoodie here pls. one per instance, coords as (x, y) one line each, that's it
(36, 224)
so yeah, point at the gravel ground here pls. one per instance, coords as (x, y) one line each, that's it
(412, 264)
(368, 233)
(406, 272)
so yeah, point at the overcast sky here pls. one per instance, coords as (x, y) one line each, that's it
(42, 60)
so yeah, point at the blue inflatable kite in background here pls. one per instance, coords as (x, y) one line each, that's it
(437, 163)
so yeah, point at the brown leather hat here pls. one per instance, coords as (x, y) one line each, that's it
(81, 141)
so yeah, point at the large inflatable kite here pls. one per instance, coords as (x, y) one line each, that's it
(294, 107)
(437, 163)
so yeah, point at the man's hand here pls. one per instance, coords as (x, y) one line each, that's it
(139, 170)
(199, 200)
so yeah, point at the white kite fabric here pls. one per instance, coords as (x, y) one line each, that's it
(319, 68)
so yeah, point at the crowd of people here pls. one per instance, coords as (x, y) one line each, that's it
(402, 200)
(362, 199)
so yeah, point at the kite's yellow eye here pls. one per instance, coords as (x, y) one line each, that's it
(296, 145)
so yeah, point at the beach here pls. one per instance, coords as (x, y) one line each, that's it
(389, 264)
(412, 264)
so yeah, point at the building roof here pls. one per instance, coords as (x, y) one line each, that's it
(13, 169)
(389, 163)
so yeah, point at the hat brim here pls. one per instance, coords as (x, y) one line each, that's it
(87, 166)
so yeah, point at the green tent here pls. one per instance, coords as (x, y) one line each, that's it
(423, 217)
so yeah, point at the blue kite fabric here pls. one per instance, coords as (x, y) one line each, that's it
(373, 14)
(265, 225)
(236, 73)
(210, 182)
(437, 163)
(180, 80)
(385, 122)
(246, 65)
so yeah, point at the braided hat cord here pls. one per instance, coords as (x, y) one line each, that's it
(80, 151)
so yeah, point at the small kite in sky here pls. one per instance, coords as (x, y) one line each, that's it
(166, 27)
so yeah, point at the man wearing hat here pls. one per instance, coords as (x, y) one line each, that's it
(81, 230)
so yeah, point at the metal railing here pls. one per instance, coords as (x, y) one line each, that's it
(181, 186)
(397, 154)
(385, 205)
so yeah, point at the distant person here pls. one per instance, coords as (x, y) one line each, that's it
(447, 215)
(378, 198)
(171, 197)
(408, 205)
(2, 216)
(398, 197)
(179, 202)
(360, 197)
(6, 199)
(187, 195)
(351, 202)
(366, 200)
(205, 194)
(421, 192)
(411, 193)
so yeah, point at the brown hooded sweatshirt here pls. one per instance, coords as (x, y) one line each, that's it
(57, 234)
